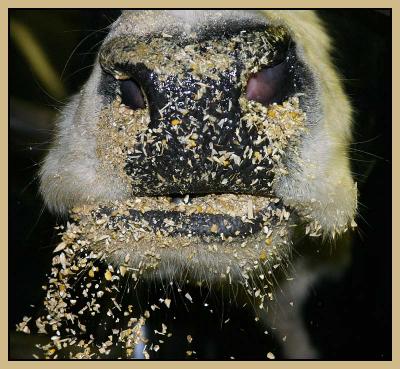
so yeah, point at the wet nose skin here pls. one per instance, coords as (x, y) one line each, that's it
(203, 136)
(196, 141)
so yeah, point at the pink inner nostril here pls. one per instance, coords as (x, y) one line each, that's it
(265, 85)
(259, 90)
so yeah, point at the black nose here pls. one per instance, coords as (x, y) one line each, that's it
(199, 138)
(196, 141)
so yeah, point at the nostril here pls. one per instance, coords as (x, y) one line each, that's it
(267, 85)
(131, 94)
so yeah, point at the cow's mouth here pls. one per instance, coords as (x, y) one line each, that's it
(209, 233)
(222, 217)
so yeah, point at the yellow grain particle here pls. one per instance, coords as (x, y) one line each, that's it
(214, 228)
(257, 155)
(191, 143)
(108, 275)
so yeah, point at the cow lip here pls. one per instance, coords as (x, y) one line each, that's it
(175, 223)
(221, 216)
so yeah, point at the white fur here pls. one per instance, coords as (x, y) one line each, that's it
(70, 174)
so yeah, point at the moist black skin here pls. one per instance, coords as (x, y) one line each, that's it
(194, 224)
(179, 170)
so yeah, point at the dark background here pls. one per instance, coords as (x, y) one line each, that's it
(348, 318)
